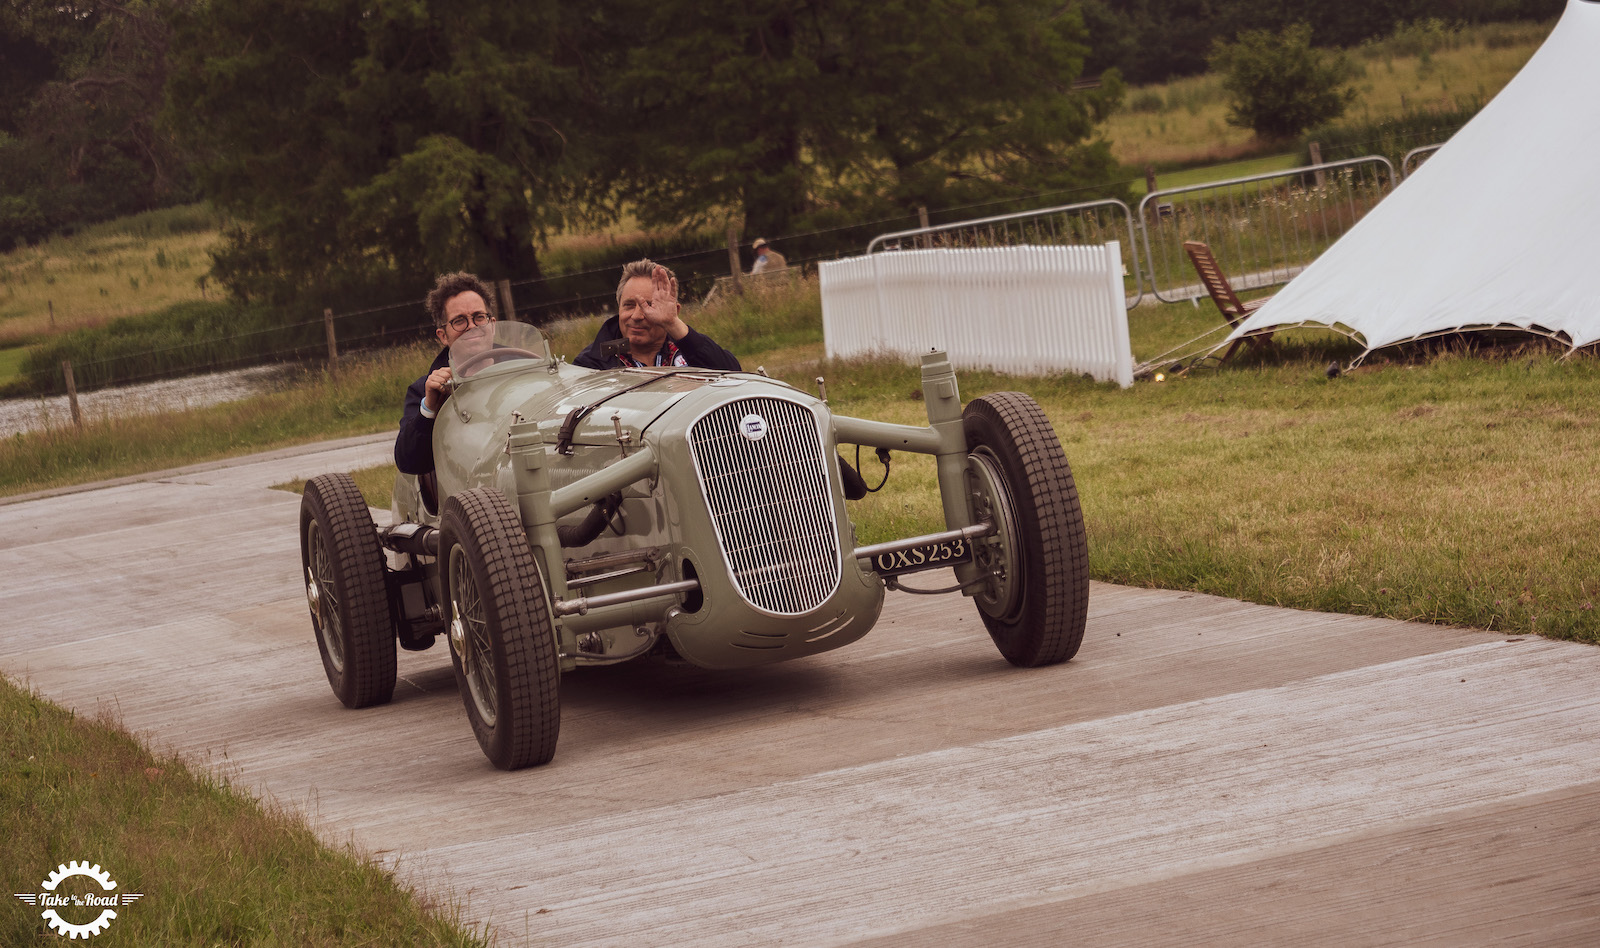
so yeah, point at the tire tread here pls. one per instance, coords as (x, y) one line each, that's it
(1051, 629)
(483, 522)
(370, 661)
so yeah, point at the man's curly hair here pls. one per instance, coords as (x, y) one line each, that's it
(451, 285)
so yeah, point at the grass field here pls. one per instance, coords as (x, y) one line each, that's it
(1425, 69)
(1221, 172)
(120, 268)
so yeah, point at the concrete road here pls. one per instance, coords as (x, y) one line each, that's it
(1205, 772)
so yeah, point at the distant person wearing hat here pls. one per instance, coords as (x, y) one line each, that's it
(766, 257)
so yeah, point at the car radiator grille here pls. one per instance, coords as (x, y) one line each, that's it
(771, 503)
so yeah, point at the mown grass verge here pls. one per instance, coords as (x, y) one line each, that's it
(215, 866)
(1457, 490)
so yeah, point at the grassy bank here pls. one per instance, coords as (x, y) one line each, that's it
(215, 866)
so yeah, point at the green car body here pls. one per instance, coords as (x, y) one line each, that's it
(582, 517)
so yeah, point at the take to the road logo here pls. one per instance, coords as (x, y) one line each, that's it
(78, 914)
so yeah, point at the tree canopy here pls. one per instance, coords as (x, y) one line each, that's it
(80, 99)
(371, 143)
(350, 138)
(857, 107)
(1277, 85)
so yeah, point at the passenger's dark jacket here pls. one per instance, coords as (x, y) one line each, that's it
(413, 449)
(697, 348)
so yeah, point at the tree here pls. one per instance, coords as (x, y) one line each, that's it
(1278, 85)
(779, 110)
(80, 131)
(358, 142)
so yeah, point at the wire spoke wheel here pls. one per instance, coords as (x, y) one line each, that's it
(347, 591)
(997, 555)
(469, 636)
(1035, 603)
(502, 630)
(323, 596)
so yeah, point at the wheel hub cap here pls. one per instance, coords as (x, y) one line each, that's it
(313, 592)
(458, 632)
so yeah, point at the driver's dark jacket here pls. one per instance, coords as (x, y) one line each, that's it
(413, 449)
(698, 348)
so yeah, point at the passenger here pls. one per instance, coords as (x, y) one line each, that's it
(458, 302)
(647, 319)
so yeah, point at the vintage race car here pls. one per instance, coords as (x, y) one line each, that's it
(582, 517)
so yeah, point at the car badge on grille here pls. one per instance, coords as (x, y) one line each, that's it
(753, 427)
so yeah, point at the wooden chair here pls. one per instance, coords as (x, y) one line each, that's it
(1234, 311)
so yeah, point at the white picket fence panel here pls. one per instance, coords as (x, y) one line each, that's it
(1023, 310)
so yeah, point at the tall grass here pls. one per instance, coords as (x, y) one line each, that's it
(215, 866)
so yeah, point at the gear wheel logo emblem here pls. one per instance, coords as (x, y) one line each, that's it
(53, 900)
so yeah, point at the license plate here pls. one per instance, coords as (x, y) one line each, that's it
(926, 556)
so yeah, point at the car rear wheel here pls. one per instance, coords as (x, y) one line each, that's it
(502, 632)
(1036, 601)
(346, 591)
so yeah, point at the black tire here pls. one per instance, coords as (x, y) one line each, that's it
(343, 566)
(502, 632)
(1039, 618)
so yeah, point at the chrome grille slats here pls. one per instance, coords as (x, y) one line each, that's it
(771, 503)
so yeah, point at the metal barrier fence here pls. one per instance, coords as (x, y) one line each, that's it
(1030, 310)
(1263, 228)
(1415, 157)
(1089, 223)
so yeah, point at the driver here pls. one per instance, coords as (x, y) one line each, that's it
(458, 303)
(647, 318)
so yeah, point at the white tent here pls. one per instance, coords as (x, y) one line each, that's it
(1499, 228)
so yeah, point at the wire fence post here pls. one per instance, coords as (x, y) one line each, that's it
(508, 305)
(733, 257)
(333, 343)
(72, 392)
(1316, 159)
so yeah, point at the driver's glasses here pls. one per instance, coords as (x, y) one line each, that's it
(460, 323)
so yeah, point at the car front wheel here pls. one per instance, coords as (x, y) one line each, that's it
(502, 632)
(1035, 601)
